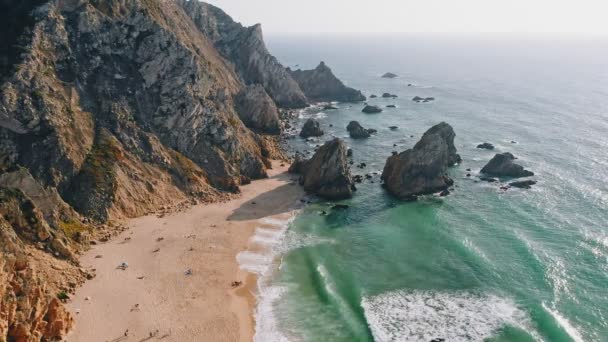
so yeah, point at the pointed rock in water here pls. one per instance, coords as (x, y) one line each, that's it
(422, 169)
(389, 75)
(311, 129)
(371, 109)
(502, 165)
(257, 110)
(327, 173)
(321, 85)
(356, 131)
(447, 134)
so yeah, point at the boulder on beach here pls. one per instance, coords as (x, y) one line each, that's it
(389, 75)
(356, 131)
(502, 165)
(486, 146)
(327, 173)
(311, 128)
(422, 169)
(369, 109)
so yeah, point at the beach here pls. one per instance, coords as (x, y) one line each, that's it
(181, 280)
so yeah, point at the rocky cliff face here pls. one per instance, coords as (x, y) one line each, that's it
(321, 85)
(422, 169)
(112, 109)
(245, 48)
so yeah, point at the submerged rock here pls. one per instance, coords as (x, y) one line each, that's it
(311, 128)
(327, 173)
(356, 131)
(526, 184)
(393, 128)
(389, 75)
(422, 169)
(321, 85)
(502, 165)
(391, 106)
(486, 146)
(369, 109)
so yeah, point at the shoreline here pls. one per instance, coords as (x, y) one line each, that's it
(178, 285)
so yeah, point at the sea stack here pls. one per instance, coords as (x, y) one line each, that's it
(311, 128)
(327, 173)
(502, 165)
(321, 85)
(422, 169)
(356, 131)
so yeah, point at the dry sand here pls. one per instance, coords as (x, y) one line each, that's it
(154, 298)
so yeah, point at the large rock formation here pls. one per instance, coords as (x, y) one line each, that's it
(244, 47)
(311, 128)
(327, 173)
(320, 85)
(446, 132)
(356, 131)
(112, 109)
(422, 169)
(257, 110)
(502, 165)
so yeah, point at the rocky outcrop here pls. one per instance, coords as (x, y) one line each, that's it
(257, 110)
(422, 169)
(321, 85)
(389, 75)
(244, 47)
(502, 165)
(356, 131)
(446, 132)
(526, 184)
(327, 173)
(369, 109)
(311, 128)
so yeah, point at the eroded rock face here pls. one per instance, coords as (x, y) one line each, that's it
(311, 128)
(245, 48)
(321, 85)
(502, 165)
(356, 131)
(422, 169)
(446, 132)
(327, 173)
(257, 110)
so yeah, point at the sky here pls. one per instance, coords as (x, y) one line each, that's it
(466, 16)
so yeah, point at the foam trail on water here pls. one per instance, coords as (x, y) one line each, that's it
(426, 315)
(574, 334)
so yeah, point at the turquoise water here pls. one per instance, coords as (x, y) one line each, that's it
(481, 264)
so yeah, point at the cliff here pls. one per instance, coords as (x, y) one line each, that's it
(112, 109)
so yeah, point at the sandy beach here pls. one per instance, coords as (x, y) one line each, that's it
(178, 285)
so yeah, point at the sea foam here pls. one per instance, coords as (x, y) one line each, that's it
(425, 315)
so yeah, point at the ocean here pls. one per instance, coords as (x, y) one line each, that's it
(481, 264)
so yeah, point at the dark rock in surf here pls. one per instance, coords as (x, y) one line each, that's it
(502, 165)
(422, 169)
(527, 184)
(389, 75)
(311, 128)
(327, 173)
(371, 109)
(356, 131)
(486, 146)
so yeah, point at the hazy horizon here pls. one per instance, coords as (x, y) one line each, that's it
(584, 17)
